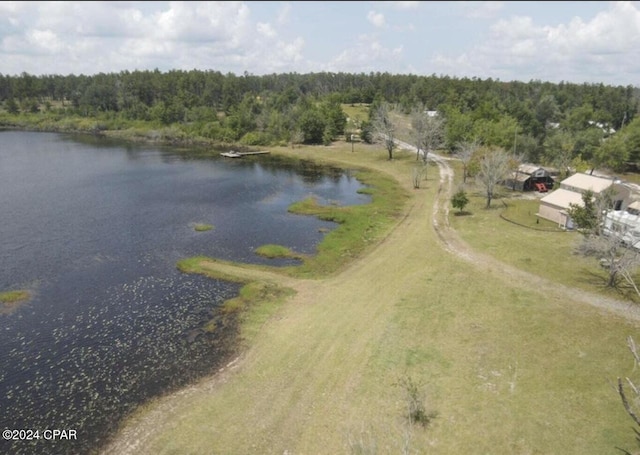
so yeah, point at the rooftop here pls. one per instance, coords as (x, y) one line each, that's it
(587, 182)
(562, 198)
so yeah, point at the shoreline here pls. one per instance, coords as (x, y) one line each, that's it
(232, 356)
(285, 278)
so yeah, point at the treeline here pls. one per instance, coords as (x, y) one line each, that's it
(541, 119)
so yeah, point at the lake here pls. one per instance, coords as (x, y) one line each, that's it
(93, 228)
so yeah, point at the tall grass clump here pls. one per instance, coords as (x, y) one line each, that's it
(14, 296)
(416, 411)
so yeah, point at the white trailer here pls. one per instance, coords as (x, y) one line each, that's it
(624, 225)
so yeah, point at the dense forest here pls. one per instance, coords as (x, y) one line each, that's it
(589, 125)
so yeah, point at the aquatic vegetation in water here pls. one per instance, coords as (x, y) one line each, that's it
(11, 300)
(201, 227)
(277, 251)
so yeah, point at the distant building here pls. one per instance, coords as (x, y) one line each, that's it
(606, 129)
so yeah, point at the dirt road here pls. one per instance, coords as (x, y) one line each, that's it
(455, 245)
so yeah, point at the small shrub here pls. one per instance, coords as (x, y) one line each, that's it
(460, 200)
(415, 400)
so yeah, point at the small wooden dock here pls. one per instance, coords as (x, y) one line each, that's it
(234, 154)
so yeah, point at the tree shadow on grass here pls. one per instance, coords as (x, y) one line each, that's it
(620, 289)
(462, 213)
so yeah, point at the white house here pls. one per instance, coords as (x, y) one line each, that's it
(554, 206)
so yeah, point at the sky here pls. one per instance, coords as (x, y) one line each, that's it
(577, 42)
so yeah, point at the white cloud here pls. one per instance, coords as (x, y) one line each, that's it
(45, 40)
(139, 35)
(89, 37)
(406, 5)
(482, 10)
(266, 30)
(579, 51)
(368, 54)
(284, 14)
(613, 31)
(12, 7)
(377, 19)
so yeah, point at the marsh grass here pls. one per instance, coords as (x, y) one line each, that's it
(261, 299)
(273, 251)
(194, 265)
(11, 300)
(255, 303)
(202, 227)
(359, 226)
(14, 296)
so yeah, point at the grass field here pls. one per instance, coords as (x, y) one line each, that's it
(511, 232)
(502, 367)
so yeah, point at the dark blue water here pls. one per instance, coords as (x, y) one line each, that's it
(94, 229)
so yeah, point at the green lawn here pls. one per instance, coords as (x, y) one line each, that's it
(510, 231)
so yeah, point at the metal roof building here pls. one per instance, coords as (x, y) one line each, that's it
(554, 206)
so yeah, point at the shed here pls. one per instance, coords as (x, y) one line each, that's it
(528, 176)
(554, 206)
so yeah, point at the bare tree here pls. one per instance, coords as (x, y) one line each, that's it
(427, 132)
(384, 128)
(434, 135)
(418, 128)
(631, 406)
(428, 135)
(465, 152)
(606, 237)
(418, 174)
(620, 260)
(493, 169)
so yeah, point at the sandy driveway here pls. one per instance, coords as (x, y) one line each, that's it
(455, 245)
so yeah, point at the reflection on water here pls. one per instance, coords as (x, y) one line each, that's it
(94, 230)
